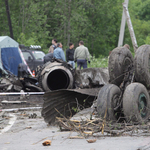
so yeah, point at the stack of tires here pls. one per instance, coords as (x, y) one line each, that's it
(132, 102)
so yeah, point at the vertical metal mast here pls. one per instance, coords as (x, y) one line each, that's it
(130, 27)
(122, 28)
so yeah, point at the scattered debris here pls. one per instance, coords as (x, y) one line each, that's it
(75, 137)
(39, 141)
(88, 133)
(2, 113)
(1, 121)
(28, 127)
(23, 114)
(6, 117)
(34, 115)
(7, 143)
(12, 83)
(21, 109)
(91, 140)
(47, 143)
(91, 127)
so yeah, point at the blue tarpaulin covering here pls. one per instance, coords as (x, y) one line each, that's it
(11, 59)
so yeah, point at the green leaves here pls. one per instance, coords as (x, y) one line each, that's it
(95, 22)
(138, 10)
(32, 40)
(101, 62)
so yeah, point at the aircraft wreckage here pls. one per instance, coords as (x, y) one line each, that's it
(68, 89)
(122, 97)
(64, 88)
(125, 95)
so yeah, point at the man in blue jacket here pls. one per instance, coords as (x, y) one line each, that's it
(59, 53)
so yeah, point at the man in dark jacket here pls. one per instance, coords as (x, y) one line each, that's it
(48, 57)
(70, 55)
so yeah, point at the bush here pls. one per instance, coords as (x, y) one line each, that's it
(100, 62)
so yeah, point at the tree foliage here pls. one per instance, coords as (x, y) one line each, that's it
(141, 24)
(95, 22)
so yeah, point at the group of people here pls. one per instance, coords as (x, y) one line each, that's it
(80, 55)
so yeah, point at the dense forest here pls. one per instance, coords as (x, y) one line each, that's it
(96, 22)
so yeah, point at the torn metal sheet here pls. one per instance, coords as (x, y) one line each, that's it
(91, 77)
(67, 102)
(12, 83)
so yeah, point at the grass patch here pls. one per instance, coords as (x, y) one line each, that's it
(100, 62)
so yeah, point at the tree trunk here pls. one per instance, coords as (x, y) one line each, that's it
(68, 27)
(9, 19)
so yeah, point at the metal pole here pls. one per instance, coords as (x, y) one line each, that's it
(22, 93)
(122, 28)
(133, 38)
(9, 19)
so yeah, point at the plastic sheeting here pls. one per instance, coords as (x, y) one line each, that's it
(11, 59)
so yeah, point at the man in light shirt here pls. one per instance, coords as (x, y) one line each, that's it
(82, 55)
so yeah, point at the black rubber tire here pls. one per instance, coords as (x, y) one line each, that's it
(142, 65)
(105, 101)
(119, 60)
(134, 97)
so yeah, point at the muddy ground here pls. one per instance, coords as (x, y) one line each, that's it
(26, 130)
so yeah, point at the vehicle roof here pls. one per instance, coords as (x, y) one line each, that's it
(31, 50)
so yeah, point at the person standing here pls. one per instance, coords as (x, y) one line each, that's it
(53, 46)
(81, 55)
(49, 55)
(59, 53)
(70, 55)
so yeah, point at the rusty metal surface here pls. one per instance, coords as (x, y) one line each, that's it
(66, 102)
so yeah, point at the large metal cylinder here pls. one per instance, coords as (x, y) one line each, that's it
(56, 76)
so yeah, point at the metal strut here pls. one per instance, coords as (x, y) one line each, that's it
(122, 27)
(130, 27)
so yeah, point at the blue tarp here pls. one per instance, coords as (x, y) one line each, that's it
(11, 59)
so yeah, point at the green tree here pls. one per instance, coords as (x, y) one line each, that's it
(141, 25)
(95, 22)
